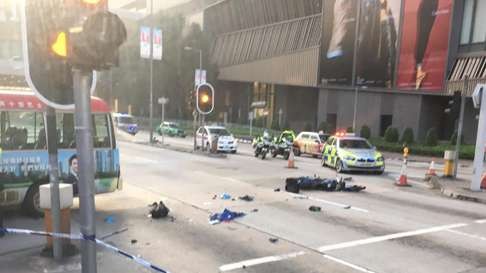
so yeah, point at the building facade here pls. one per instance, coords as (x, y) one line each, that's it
(302, 63)
(11, 65)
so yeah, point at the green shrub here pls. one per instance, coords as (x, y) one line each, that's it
(308, 127)
(350, 130)
(323, 126)
(454, 138)
(365, 132)
(391, 135)
(407, 136)
(431, 139)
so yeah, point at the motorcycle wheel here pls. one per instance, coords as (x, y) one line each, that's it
(274, 153)
(286, 156)
(264, 155)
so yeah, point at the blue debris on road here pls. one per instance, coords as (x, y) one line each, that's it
(226, 216)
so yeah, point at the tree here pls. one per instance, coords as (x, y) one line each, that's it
(391, 135)
(407, 136)
(365, 132)
(431, 138)
(173, 76)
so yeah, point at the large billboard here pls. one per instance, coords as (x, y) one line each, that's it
(424, 44)
(338, 31)
(376, 45)
(377, 42)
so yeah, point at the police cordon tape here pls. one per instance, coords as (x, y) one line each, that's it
(138, 260)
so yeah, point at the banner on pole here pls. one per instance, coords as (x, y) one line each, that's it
(157, 44)
(145, 42)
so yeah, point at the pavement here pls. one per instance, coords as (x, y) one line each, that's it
(383, 229)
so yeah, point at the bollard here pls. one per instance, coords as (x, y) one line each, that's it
(449, 157)
(66, 202)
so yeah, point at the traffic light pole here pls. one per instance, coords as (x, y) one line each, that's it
(84, 146)
(151, 72)
(459, 128)
(54, 180)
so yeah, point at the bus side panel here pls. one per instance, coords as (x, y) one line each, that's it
(107, 168)
(18, 171)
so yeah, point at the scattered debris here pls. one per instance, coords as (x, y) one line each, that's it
(277, 189)
(254, 210)
(247, 198)
(433, 183)
(215, 196)
(273, 240)
(158, 210)
(294, 185)
(133, 241)
(315, 208)
(226, 216)
(225, 196)
(110, 219)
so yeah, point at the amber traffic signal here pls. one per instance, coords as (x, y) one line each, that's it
(60, 35)
(205, 98)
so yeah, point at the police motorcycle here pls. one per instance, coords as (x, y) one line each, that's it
(261, 145)
(283, 144)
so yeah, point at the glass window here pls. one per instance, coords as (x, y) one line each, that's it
(22, 131)
(467, 22)
(101, 132)
(219, 131)
(65, 128)
(479, 31)
(354, 144)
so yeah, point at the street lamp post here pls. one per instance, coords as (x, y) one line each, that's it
(188, 48)
(163, 101)
(151, 107)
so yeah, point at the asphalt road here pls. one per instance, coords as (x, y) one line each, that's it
(384, 229)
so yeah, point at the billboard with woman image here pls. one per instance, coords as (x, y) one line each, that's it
(424, 44)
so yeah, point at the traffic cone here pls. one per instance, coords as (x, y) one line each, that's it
(291, 160)
(431, 171)
(483, 181)
(402, 180)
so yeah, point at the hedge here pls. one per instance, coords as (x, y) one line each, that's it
(466, 152)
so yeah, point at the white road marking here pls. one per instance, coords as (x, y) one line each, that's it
(473, 236)
(348, 264)
(482, 221)
(344, 206)
(138, 159)
(269, 259)
(378, 239)
(263, 260)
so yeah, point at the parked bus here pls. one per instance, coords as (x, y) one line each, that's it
(24, 158)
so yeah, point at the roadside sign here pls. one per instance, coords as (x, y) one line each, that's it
(157, 46)
(163, 100)
(200, 77)
(477, 94)
(145, 42)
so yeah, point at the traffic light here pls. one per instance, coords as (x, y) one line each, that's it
(59, 35)
(205, 98)
(454, 106)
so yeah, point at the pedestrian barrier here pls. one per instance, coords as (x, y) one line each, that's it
(137, 260)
